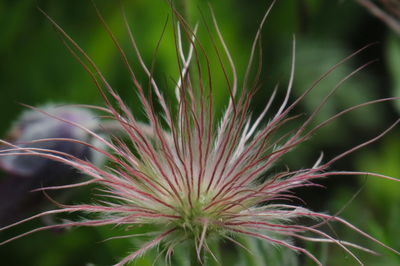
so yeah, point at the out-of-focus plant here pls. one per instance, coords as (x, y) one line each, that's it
(389, 12)
(393, 63)
(23, 174)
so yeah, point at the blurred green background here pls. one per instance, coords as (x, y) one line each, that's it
(35, 68)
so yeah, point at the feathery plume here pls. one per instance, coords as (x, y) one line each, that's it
(193, 175)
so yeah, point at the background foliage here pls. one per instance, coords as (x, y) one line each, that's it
(35, 69)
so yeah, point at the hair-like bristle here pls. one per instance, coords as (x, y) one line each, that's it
(190, 174)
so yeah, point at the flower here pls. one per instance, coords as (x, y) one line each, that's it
(33, 125)
(193, 175)
(26, 173)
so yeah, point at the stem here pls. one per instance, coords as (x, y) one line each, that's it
(382, 15)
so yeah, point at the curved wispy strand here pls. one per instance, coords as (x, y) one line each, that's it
(192, 174)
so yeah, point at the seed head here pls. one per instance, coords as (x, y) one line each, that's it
(194, 175)
(25, 173)
(33, 125)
